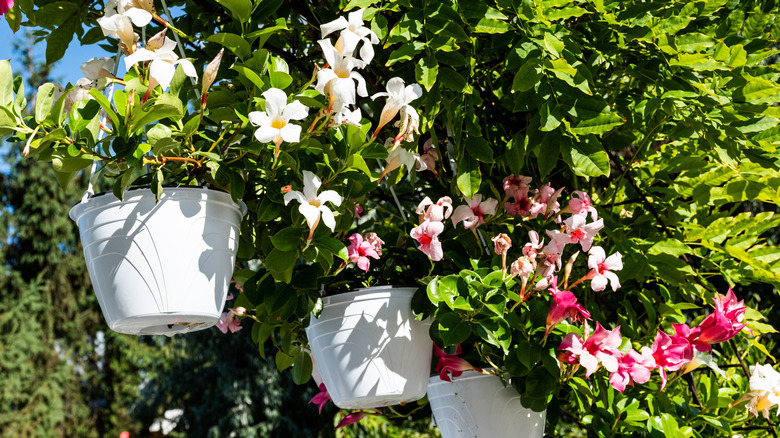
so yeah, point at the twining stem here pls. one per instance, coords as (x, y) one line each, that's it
(694, 392)
(168, 25)
(163, 160)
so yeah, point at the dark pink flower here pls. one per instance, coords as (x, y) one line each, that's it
(427, 236)
(565, 305)
(6, 5)
(724, 323)
(451, 364)
(601, 348)
(321, 398)
(633, 368)
(516, 186)
(351, 419)
(518, 206)
(670, 353)
(229, 321)
(358, 211)
(360, 250)
(473, 213)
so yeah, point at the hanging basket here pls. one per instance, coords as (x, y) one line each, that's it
(160, 267)
(480, 406)
(370, 349)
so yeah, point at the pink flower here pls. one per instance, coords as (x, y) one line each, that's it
(473, 214)
(360, 250)
(428, 158)
(724, 323)
(375, 241)
(523, 267)
(351, 419)
(582, 233)
(601, 269)
(633, 368)
(581, 205)
(439, 211)
(6, 5)
(426, 234)
(518, 206)
(516, 186)
(530, 248)
(601, 348)
(545, 201)
(322, 398)
(565, 305)
(228, 321)
(501, 243)
(451, 364)
(670, 353)
(358, 211)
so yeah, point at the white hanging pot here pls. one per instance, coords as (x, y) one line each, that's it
(370, 349)
(480, 406)
(160, 267)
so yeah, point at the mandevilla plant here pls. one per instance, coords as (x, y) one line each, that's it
(584, 192)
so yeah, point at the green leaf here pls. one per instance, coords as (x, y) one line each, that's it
(62, 162)
(237, 186)
(332, 245)
(479, 148)
(302, 368)
(281, 264)
(233, 42)
(406, 52)
(283, 361)
(287, 239)
(527, 77)
(43, 101)
(425, 71)
(59, 39)
(106, 105)
(548, 152)
(598, 125)
(453, 329)
(166, 106)
(589, 158)
(157, 184)
(240, 9)
(469, 176)
(670, 246)
(6, 83)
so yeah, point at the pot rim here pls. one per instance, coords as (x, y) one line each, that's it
(137, 194)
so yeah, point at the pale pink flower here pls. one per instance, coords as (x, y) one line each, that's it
(581, 205)
(530, 249)
(321, 398)
(582, 233)
(439, 211)
(523, 267)
(375, 241)
(601, 348)
(724, 323)
(451, 364)
(428, 158)
(426, 235)
(601, 268)
(501, 243)
(360, 250)
(565, 305)
(518, 207)
(358, 211)
(546, 201)
(516, 186)
(229, 321)
(633, 368)
(473, 213)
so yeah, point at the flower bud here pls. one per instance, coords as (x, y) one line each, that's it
(211, 72)
(502, 243)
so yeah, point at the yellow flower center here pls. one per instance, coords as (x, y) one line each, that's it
(343, 73)
(315, 202)
(278, 123)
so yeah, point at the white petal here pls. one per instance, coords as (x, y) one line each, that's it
(259, 118)
(412, 92)
(361, 87)
(330, 196)
(596, 257)
(310, 212)
(189, 69)
(349, 41)
(163, 72)
(366, 51)
(266, 134)
(324, 76)
(139, 55)
(343, 90)
(395, 88)
(599, 283)
(296, 196)
(290, 133)
(139, 17)
(275, 101)
(311, 184)
(327, 217)
(329, 51)
(356, 18)
(295, 111)
(333, 26)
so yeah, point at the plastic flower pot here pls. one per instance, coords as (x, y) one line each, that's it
(370, 349)
(480, 406)
(160, 267)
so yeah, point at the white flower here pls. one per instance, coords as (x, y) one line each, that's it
(139, 11)
(312, 206)
(159, 50)
(347, 117)
(764, 390)
(119, 26)
(399, 157)
(352, 33)
(338, 81)
(274, 121)
(97, 68)
(398, 98)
